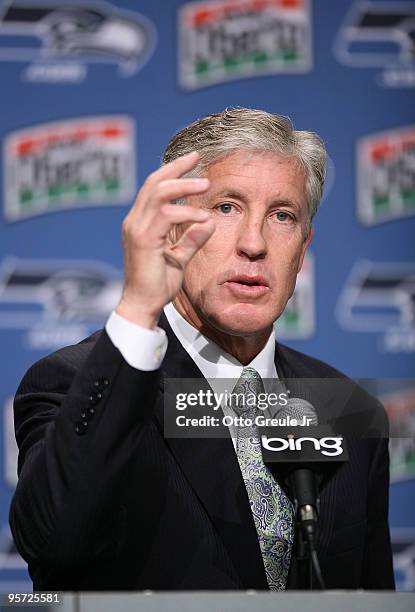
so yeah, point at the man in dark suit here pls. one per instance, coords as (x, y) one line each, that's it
(105, 500)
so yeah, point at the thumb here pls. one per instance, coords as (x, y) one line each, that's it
(190, 242)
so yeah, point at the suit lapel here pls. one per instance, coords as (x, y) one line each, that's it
(211, 467)
(327, 390)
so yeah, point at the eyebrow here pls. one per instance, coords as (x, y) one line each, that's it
(229, 193)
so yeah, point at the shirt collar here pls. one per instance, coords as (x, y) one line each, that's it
(212, 360)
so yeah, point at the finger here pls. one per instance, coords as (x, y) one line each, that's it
(178, 166)
(175, 189)
(173, 169)
(171, 214)
(147, 212)
(167, 191)
(192, 240)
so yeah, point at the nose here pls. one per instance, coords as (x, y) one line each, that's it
(250, 241)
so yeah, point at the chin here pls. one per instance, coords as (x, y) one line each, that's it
(242, 319)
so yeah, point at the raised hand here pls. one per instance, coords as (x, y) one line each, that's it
(153, 266)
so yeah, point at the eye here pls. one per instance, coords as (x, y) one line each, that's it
(226, 208)
(283, 216)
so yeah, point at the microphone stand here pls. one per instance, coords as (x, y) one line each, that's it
(304, 485)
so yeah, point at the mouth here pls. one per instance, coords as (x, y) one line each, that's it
(249, 281)
(254, 286)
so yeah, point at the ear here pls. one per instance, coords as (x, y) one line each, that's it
(304, 247)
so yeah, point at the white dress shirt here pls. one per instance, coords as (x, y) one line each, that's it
(145, 349)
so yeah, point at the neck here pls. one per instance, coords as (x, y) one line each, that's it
(243, 347)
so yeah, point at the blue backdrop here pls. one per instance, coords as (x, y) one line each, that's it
(90, 94)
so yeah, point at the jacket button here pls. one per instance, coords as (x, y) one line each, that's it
(80, 427)
(94, 398)
(101, 383)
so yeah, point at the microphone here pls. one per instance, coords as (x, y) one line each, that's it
(304, 454)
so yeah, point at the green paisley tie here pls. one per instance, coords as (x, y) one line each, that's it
(271, 509)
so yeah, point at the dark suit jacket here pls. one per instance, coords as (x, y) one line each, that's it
(114, 505)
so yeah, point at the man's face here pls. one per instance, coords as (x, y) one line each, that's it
(240, 281)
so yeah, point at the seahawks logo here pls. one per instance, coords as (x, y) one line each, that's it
(377, 34)
(403, 548)
(67, 291)
(376, 296)
(93, 32)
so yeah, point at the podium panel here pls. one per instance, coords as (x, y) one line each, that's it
(197, 601)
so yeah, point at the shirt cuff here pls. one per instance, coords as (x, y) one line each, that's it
(142, 348)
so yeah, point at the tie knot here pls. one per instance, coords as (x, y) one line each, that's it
(250, 374)
(246, 390)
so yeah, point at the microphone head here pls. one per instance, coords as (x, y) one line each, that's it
(298, 408)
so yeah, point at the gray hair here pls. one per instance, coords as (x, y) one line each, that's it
(220, 134)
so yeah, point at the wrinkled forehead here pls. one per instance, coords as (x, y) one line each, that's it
(246, 156)
(262, 175)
